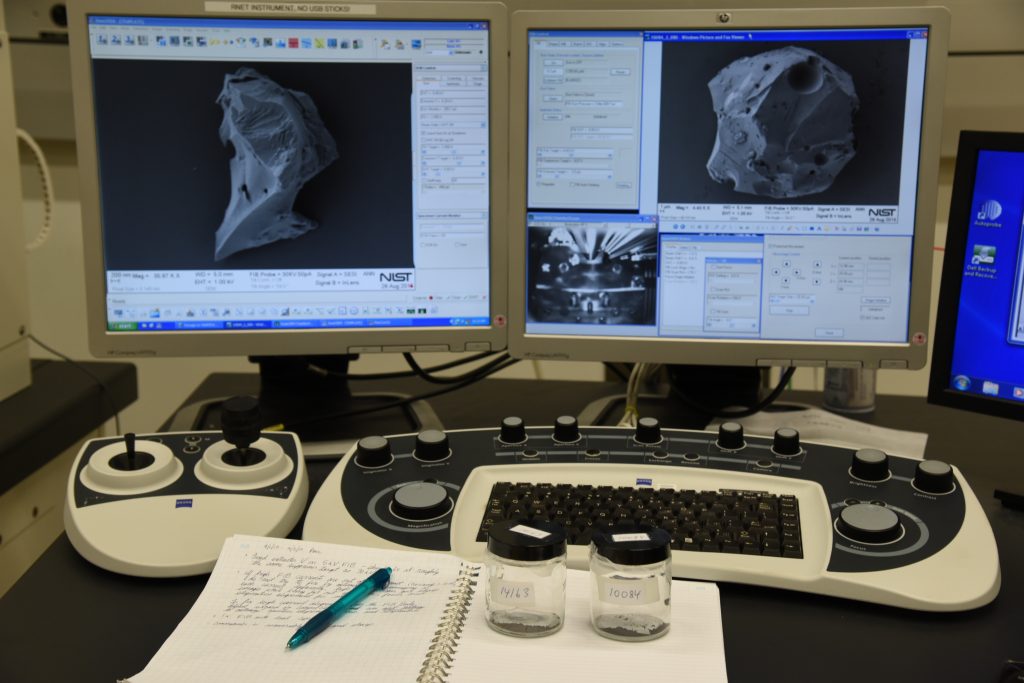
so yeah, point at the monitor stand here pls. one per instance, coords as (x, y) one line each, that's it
(290, 391)
(712, 386)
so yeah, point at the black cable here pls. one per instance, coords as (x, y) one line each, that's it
(290, 425)
(787, 374)
(401, 373)
(433, 379)
(104, 391)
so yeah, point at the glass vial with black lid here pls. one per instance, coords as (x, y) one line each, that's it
(631, 583)
(525, 591)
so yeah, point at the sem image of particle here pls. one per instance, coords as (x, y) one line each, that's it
(280, 143)
(785, 123)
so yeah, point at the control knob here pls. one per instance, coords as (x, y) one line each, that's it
(933, 476)
(730, 436)
(870, 464)
(432, 445)
(373, 451)
(648, 431)
(869, 523)
(786, 441)
(567, 430)
(421, 500)
(513, 430)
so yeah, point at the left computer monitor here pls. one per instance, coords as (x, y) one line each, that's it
(291, 179)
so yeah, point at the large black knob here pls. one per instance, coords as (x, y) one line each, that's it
(240, 420)
(869, 523)
(567, 430)
(513, 430)
(373, 451)
(420, 501)
(870, 464)
(432, 445)
(933, 476)
(648, 430)
(730, 436)
(786, 441)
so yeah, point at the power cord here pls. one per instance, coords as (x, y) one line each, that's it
(104, 390)
(434, 379)
(46, 184)
(316, 369)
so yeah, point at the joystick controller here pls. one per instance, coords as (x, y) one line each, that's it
(162, 504)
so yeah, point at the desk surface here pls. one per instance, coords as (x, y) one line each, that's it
(110, 625)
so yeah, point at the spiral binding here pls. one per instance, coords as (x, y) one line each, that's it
(439, 657)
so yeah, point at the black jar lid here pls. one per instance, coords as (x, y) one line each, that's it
(526, 541)
(633, 545)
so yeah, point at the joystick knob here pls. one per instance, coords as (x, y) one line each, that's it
(513, 430)
(567, 430)
(373, 451)
(240, 421)
(933, 476)
(420, 501)
(730, 436)
(648, 430)
(131, 460)
(786, 441)
(432, 445)
(869, 523)
(870, 464)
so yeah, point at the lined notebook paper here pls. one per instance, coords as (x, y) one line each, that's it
(262, 589)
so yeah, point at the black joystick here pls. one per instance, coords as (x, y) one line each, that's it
(567, 430)
(131, 460)
(648, 431)
(240, 424)
(730, 436)
(786, 441)
(513, 430)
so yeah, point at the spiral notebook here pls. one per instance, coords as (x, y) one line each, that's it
(428, 626)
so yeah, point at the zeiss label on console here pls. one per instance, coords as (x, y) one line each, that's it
(183, 503)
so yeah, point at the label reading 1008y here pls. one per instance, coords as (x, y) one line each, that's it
(628, 592)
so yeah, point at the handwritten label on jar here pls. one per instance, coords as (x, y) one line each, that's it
(513, 592)
(529, 531)
(622, 538)
(624, 592)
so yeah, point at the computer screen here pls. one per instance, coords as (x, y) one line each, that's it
(978, 362)
(281, 182)
(729, 188)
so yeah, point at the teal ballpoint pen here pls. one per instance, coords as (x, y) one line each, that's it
(379, 580)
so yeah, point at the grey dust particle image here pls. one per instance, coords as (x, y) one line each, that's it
(785, 123)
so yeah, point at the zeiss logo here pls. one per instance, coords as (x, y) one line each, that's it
(881, 213)
(183, 503)
(395, 277)
(990, 210)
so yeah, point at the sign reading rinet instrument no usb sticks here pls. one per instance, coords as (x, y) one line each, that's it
(317, 9)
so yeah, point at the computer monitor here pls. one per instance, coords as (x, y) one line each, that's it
(978, 358)
(298, 179)
(741, 188)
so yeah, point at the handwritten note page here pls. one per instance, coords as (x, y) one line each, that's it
(693, 650)
(262, 589)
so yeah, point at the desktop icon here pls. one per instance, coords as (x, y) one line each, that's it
(990, 210)
(254, 41)
(357, 44)
(175, 41)
(332, 43)
(1018, 393)
(143, 40)
(200, 41)
(319, 43)
(187, 41)
(343, 44)
(101, 39)
(990, 388)
(161, 41)
(416, 43)
(293, 43)
(983, 255)
(280, 43)
(115, 39)
(307, 43)
(268, 41)
(962, 382)
(129, 40)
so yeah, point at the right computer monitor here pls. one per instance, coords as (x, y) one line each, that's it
(978, 362)
(730, 188)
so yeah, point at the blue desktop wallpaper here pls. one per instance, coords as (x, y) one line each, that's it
(984, 361)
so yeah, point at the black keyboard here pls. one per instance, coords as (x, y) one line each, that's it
(726, 521)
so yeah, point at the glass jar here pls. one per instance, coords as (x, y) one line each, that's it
(631, 584)
(525, 590)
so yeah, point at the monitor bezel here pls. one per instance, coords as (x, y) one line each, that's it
(912, 354)
(104, 343)
(957, 231)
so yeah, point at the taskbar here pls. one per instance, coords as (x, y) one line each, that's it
(186, 325)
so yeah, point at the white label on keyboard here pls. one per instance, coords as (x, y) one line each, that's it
(513, 592)
(622, 538)
(628, 592)
(530, 531)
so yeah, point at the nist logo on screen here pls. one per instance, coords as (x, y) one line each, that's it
(396, 277)
(881, 213)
